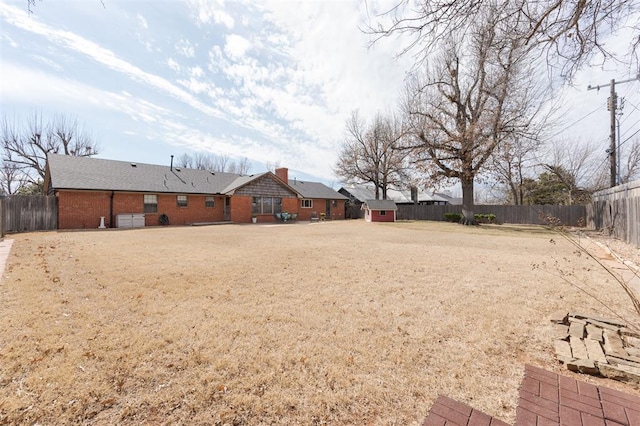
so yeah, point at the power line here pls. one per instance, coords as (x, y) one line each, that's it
(576, 122)
(634, 133)
(612, 104)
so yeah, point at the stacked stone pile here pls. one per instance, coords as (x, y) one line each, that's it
(593, 345)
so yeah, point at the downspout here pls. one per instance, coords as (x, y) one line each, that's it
(111, 210)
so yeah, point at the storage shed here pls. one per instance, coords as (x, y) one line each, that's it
(379, 210)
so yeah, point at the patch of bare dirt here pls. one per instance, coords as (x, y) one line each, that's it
(329, 323)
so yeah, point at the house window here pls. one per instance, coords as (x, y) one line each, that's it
(209, 201)
(383, 212)
(266, 205)
(182, 200)
(277, 205)
(150, 203)
(307, 204)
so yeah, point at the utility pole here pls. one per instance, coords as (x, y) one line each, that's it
(612, 105)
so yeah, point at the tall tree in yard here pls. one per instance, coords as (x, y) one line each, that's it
(26, 145)
(479, 93)
(371, 153)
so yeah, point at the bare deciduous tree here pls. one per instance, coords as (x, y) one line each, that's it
(372, 153)
(272, 166)
(479, 94)
(513, 165)
(241, 167)
(26, 146)
(630, 162)
(214, 163)
(579, 167)
(568, 33)
(184, 160)
(11, 178)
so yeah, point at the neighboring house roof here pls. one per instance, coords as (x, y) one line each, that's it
(359, 192)
(315, 190)
(456, 201)
(380, 205)
(367, 192)
(85, 173)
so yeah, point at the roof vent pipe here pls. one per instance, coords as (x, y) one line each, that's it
(171, 167)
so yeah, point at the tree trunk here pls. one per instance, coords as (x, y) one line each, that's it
(467, 203)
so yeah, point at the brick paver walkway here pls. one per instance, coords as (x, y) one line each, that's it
(547, 398)
(449, 412)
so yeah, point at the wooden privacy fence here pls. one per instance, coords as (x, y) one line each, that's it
(616, 211)
(530, 214)
(25, 213)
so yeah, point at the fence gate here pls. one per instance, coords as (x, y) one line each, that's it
(26, 213)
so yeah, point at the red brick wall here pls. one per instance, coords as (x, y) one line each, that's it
(82, 209)
(320, 206)
(240, 208)
(194, 212)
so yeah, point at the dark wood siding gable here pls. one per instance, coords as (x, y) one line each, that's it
(266, 186)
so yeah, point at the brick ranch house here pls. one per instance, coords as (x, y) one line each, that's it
(90, 188)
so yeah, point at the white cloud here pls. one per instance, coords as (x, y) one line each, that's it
(173, 65)
(104, 56)
(143, 22)
(48, 62)
(236, 46)
(212, 11)
(8, 39)
(196, 72)
(185, 48)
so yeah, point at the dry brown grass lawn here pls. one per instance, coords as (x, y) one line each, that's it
(330, 323)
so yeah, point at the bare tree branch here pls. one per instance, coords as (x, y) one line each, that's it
(567, 33)
(26, 147)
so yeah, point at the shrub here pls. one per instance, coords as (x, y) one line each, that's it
(452, 217)
(485, 218)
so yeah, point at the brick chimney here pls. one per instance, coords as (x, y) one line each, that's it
(283, 173)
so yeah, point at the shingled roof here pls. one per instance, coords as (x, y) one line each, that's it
(380, 204)
(70, 172)
(315, 190)
(85, 173)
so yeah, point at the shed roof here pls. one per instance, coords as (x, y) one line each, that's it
(380, 205)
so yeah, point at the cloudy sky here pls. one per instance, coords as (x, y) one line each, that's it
(270, 81)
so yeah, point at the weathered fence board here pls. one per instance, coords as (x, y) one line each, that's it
(2, 227)
(531, 214)
(25, 213)
(616, 211)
